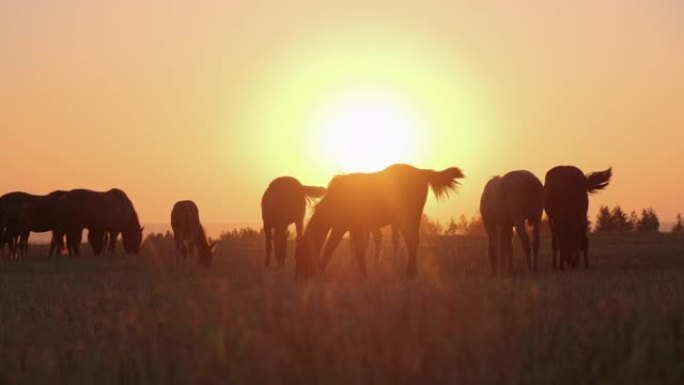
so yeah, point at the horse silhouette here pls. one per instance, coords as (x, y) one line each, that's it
(22, 213)
(567, 202)
(358, 240)
(283, 203)
(507, 202)
(189, 234)
(360, 203)
(107, 211)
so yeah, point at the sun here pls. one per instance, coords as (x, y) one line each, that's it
(366, 131)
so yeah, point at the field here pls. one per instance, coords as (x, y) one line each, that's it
(139, 320)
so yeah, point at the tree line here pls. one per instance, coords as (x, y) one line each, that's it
(616, 220)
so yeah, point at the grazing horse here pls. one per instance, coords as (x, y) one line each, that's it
(567, 202)
(189, 234)
(360, 203)
(22, 213)
(284, 202)
(508, 202)
(109, 212)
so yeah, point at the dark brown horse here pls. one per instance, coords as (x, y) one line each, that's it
(567, 203)
(360, 203)
(189, 234)
(22, 213)
(109, 212)
(512, 201)
(283, 203)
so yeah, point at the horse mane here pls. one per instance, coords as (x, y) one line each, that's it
(598, 180)
(445, 181)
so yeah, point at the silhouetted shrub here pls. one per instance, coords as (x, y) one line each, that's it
(648, 221)
(678, 228)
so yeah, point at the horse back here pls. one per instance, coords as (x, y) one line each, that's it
(284, 201)
(185, 220)
(565, 193)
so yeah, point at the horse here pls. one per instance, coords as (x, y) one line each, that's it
(107, 211)
(188, 233)
(359, 203)
(283, 203)
(509, 202)
(567, 191)
(22, 213)
(337, 233)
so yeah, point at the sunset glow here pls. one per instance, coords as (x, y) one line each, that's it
(367, 132)
(211, 101)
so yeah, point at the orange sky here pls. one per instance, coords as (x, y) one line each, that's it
(208, 100)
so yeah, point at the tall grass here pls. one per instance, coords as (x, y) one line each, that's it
(140, 320)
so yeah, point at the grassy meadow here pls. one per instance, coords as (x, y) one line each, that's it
(137, 319)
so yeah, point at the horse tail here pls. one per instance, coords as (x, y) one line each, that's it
(598, 180)
(313, 192)
(445, 181)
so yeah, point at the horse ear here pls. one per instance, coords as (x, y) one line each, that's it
(212, 246)
(142, 228)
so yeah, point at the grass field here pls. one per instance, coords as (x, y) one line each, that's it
(138, 320)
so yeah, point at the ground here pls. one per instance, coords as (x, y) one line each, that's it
(139, 319)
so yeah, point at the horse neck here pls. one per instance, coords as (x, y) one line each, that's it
(317, 229)
(201, 237)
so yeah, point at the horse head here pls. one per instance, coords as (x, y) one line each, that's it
(131, 237)
(571, 241)
(205, 253)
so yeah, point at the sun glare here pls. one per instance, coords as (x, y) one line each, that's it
(367, 131)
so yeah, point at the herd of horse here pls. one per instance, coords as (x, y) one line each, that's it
(66, 213)
(362, 203)
(359, 204)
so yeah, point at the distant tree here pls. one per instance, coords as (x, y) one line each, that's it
(476, 226)
(648, 222)
(463, 224)
(429, 228)
(604, 221)
(620, 219)
(679, 226)
(633, 220)
(452, 229)
(615, 220)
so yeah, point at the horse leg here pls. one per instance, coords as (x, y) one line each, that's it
(52, 245)
(113, 234)
(554, 249)
(24, 244)
(330, 246)
(377, 241)
(535, 245)
(524, 241)
(506, 242)
(585, 250)
(492, 240)
(73, 245)
(359, 239)
(13, 248)
(299, 227)
(280, 238)
(268, 231)
(411, 239)
(395, 241)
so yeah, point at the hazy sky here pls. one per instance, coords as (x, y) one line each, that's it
(211, 100)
